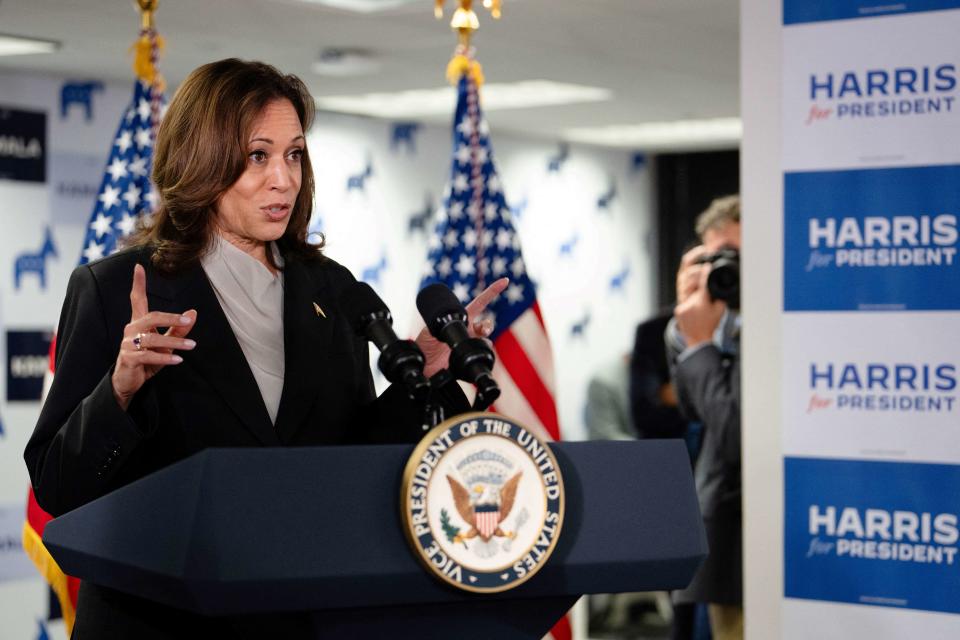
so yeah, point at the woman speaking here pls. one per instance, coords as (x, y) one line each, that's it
(218, 327)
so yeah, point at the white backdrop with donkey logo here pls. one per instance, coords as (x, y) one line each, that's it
(585, 217)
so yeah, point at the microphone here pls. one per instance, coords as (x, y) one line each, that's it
(471, 359)
(400, 360)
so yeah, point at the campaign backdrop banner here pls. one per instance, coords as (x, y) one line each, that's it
(872, 239)
(28, 357)
(871, 299)
(800, 11)
(875, 533)
(23, 145)
(871, 92)
(871, 386)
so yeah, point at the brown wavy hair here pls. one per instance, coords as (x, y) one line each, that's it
(201, 150)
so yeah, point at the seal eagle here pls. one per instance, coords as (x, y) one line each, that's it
(487, 510)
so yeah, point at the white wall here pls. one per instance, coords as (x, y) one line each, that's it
(361, 228)
(761, 187)
(561, 206)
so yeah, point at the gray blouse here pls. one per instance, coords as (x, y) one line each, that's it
(252, 300)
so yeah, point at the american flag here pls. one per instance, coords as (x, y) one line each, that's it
(476, 243)
(126, 192)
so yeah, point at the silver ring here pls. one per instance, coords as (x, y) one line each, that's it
(138, 341)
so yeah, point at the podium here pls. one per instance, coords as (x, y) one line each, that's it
(245, 531)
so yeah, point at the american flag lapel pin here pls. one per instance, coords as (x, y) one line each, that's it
(319, 311)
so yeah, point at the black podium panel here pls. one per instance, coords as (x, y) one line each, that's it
(232, 531)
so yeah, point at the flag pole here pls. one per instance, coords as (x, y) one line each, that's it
(146, 56)
(485, 243)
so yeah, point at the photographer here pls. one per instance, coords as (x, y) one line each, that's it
(703, 340)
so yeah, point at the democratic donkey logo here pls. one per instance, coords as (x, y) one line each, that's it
(80, 93)
(35, 262)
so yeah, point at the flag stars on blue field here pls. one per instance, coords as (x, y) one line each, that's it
(138, 166)
(143, 109)
(504, 239)
(465, 128)
(470, 238)
(465, 266)
(487, 237)
(475, 241)
(462, 291)
(518, 268)
(132, 196)
(124, 140)
(473, 211)
(126, 224)
(445, 268)
(117, 169)
(451, 239)
(94, 251)
(101, 224)
(143, 138)
(110, 197)
(514, 293)
(125, 191)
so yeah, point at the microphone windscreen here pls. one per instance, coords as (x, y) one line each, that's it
(437, 301)
(360, 303)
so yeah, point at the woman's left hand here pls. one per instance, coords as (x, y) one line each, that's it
(438, 353)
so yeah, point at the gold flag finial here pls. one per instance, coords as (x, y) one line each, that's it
(147, 7)
(465, 20)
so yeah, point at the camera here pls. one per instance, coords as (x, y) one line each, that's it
(723, 282)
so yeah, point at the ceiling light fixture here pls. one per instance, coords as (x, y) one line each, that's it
(714, 133)
(363, 6)
(441, 102)
(11, 45)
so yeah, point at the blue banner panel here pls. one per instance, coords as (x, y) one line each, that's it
(800, 11)
(28, 357)
(23, 145)
(872, 240)
(876, 533)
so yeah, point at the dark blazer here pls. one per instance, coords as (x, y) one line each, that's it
(708, 390)
(85, 445)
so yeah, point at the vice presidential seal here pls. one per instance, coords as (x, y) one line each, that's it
(482, 502)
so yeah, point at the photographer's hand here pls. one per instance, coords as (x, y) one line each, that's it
(698, 316)
(690, 273)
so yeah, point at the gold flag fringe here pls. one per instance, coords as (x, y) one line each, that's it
(461, 65)
(51, 572)
(144, 59)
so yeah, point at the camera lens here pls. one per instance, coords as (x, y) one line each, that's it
(723, 283)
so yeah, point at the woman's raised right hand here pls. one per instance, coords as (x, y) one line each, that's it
(144, 350)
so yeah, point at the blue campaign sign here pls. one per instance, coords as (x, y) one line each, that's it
(872, 239)
(875, 533)
(801, 11)
(27, 362)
